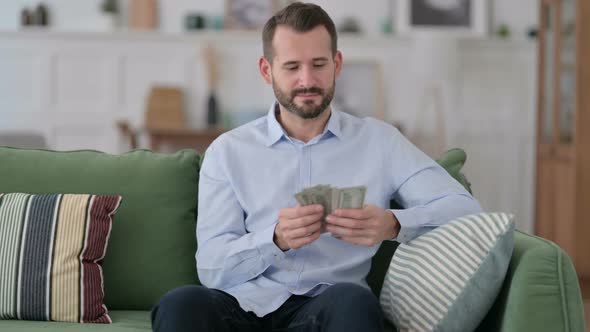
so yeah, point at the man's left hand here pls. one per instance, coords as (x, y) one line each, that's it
(366, 227)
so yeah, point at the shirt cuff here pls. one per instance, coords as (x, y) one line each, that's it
(268, 250)
(409, 229)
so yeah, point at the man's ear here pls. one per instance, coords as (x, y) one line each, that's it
(338, 63)
(265, 69)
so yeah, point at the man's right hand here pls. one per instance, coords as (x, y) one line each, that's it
(298, 226)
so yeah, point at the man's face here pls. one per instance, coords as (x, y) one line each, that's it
(304, 70)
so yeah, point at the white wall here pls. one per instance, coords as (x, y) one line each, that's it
(73, 87)
(72, 14)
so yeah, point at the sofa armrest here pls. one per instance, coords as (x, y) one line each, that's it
(540, 293)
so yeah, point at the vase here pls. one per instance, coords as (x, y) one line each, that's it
(212, 110)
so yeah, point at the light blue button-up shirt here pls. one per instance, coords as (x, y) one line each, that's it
(251, 172)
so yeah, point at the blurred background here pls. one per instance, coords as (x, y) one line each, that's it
(116, 75)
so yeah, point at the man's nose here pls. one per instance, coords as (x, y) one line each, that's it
(306, 77)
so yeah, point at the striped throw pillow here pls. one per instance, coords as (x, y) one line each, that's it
(448, 278)
(51, 250)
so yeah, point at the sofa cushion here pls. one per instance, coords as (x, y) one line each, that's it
(123, 321)
(448, 279)
(152, 243)
(452, 161)
(51, 250)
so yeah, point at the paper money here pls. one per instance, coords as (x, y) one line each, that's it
(351, 198)
(332, 198)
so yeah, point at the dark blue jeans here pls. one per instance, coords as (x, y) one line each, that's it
(340, 308)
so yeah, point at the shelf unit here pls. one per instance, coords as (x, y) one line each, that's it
(563, 139)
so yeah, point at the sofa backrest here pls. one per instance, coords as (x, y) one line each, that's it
(152, 243)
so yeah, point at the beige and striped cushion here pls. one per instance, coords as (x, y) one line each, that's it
(51, 250)
(447, 279)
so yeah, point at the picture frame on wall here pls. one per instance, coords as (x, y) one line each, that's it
(249, 14)
(359, 89)
(454, 17)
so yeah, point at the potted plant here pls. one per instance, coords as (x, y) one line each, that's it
(109, 11)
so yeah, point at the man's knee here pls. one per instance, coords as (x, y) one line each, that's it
(181, 306)
(350, 307)
(352, 298)
(349, 292)
(186, 297)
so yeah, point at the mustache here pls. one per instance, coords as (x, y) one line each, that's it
(304, 91)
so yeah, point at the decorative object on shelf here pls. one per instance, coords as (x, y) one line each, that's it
(194, 21)
(249, 14)
(41, 16)
(37, 17)
(532, 32)
(349, 25)
(360, 89)
(503, 31)
(459, 17)
(26, 17)
(211, 59)
(165, 108)
(386, 26)
(212, 110)
(143, 14)
(215, 22)
(109, 13)
(110, 6)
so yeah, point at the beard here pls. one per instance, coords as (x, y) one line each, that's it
(309, 110)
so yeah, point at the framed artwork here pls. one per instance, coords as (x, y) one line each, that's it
(457, 17)
(359, 89)
(249, 14)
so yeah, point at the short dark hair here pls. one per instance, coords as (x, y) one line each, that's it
(301, 17)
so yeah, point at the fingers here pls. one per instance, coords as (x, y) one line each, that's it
(303, 231)
(347, 222)
(349, 232)
(364, 213)
(306, 221)
(300, 226)
(301, 216)
(356, 226)
(300, 211)
(305, 240)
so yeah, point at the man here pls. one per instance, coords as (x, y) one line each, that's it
(263, 260)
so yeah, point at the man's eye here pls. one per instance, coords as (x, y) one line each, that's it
(319, 65)
(291, 68)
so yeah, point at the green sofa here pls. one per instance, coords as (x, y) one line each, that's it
(152, 244)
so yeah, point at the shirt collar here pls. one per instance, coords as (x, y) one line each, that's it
(276, 131)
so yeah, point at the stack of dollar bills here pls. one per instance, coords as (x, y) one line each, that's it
(332, 198)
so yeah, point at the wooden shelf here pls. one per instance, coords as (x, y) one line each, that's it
(229, 36)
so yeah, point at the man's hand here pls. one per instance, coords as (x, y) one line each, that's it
(298, 226)
(366, 227)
